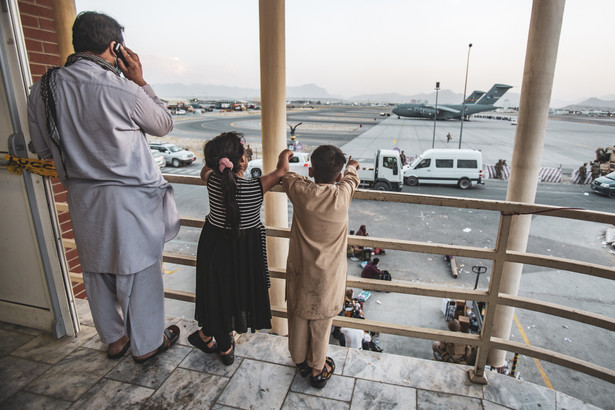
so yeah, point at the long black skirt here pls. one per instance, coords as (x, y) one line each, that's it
(232, 281)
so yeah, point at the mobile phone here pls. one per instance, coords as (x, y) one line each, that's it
(116, 49)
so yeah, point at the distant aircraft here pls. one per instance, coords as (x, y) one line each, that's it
(475, 96)
(478, 101)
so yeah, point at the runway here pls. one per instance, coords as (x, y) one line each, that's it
(567, 144)
(361, 131)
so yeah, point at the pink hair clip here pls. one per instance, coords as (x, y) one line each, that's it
(225, 163)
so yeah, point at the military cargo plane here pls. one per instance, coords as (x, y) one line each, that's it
(477, 102)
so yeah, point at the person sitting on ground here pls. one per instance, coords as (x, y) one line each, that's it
(362, 231)
(353, 338)
(352, 306)
(371, 271)
(452, 352)
(353, 250)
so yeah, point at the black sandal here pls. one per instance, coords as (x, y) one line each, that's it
(170, 337)
(195, 340)
(304, 369)
(228, 358)
(321, 380)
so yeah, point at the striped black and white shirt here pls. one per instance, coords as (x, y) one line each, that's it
(249, 201)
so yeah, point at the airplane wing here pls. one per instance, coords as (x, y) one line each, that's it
(443, 108)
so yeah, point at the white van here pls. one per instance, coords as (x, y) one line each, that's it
(446, 166)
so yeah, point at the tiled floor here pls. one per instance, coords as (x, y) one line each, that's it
(38, 371)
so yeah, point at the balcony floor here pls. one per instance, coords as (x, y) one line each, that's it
(38, 371)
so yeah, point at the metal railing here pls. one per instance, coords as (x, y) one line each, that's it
(492, 297)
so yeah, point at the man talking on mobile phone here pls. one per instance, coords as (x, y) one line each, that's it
(93, 123)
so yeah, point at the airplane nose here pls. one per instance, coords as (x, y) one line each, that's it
(396, 111)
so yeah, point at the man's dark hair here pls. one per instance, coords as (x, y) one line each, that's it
(327, 163)
(94, 32)
(375, 261)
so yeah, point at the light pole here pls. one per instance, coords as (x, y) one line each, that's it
(435, 117)
(463, 106)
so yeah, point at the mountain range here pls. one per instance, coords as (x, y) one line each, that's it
(313, 92)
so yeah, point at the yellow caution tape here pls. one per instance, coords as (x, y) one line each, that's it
(46, 168)
(168, 271)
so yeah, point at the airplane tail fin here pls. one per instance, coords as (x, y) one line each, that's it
(474, 97)
(494, 94)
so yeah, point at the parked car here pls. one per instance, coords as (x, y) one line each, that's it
(605, 185)
(173, 154)
(158, 158)
(299, 163)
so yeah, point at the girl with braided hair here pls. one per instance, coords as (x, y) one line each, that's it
(232, 278)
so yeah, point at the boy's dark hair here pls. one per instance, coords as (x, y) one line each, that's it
(94, 32)
(327, 163)
(227, 145)
(375, 261)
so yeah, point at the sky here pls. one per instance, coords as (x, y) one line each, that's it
(355, 47)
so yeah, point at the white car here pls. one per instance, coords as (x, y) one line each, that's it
(158, 158)
(299, 163)
(173, 154)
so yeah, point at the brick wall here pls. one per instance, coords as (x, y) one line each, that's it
(40, 34)
(42, 46)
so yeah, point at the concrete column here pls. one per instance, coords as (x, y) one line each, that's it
(541, 55)
(273, 111)
(64, 13)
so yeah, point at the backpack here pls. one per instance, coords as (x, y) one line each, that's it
(386, 275)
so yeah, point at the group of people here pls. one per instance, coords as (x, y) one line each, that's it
(92, 122)
(362, 252)
(499, 168)
(351, 337)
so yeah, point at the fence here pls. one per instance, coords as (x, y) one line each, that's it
(499, 255)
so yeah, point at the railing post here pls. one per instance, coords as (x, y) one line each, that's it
(64, 13)
(477, 374)
(541, 55)
(273, 114)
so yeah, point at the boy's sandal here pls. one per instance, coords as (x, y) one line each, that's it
(171, 335)
(321, 380)
(304, 369)
(195, 340)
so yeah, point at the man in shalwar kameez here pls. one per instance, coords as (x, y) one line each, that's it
(93, 123)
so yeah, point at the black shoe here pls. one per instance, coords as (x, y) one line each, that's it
(121, 353)
(195, 340)
(229, 358)
(321, 380)
(304, 369)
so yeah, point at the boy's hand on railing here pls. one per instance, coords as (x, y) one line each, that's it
(283, 159)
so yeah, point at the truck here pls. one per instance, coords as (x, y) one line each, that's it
(382, 173)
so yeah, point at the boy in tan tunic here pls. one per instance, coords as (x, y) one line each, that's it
(316, 266)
